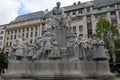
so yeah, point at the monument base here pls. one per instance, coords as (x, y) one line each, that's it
(58, 70)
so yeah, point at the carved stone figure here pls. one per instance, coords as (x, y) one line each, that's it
(17, 48)
(100, 51)
(29, 50)
(82, 46)
(55, 51)
(57, 17)
(38, 48)
(47, 44)
(70, 49)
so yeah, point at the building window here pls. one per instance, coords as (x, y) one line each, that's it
(10, 43)
(2, 32)
(81, 28)
(81, 11)
(11, 37)
(23, 30)
(8, 32)
(23, 35)
(15, 37)
(27, 29)
(0, 43)
(19, 30)
(1, 37)
(6, 43)
(27, 35)
(89, 30)
(31, 28)
(74, 29)
(99, 9)
(35, 33)
(89, 33)
(36, 28)
(31, 34)
(89, 19)
(74, 12)
(15, 31)
(113, 15)
(89, 26)
(112, 6)
(12, 32)
(31, 41)
(88, 9)
(7, 38)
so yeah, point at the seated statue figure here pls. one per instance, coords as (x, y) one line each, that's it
(57, 17)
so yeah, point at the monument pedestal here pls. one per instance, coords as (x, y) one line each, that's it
(58, 70)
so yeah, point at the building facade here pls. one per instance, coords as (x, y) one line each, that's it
(27, 26)
(82, 17)
(2, 36)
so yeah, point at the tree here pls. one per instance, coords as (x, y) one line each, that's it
(109, 34)
(3, 60)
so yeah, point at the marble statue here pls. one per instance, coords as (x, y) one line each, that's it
(55, 51)
(70, 48)
(82, 46)
(57, 16)
(38, 48)
(58, 55)
(29, 50)
(99, 50)
(18, 48)
(47, 44)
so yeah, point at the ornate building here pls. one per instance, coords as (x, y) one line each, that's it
(82, 17)
(2, 36)
(27, 26)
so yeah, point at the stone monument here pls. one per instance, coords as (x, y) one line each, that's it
(58, 55)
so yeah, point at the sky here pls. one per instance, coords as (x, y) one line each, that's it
(10, 9)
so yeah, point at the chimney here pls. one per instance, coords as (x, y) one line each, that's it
(79, 2)
(74, 3)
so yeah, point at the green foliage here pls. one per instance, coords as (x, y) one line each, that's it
(3, 60)
(117, 44)
(104, 28)
(106, 31)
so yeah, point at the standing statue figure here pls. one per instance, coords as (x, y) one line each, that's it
(90, 49)
(18, 48)
(57, 17)
(70, 48)
(82, 47)
(38, 54)
(99, 50)
(76, 48)
(55, 52)
(47, 44)
(29, 50)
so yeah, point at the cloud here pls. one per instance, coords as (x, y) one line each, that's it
(8, 10)
(36, 5)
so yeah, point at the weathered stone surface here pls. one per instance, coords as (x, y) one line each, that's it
(58, 69)
(59, 55)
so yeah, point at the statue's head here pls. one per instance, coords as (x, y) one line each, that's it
(58, 4)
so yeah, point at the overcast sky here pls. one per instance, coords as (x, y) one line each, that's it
(9, 9)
